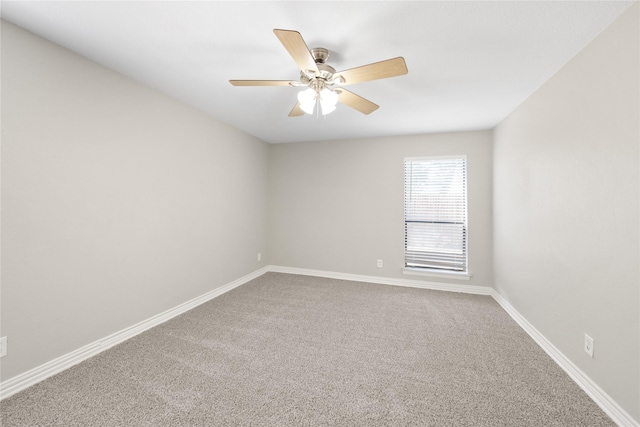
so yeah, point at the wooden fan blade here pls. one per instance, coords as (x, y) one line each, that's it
(297, 48)
(261, 82)
(356, 101)
(377, 70)
(297, 111)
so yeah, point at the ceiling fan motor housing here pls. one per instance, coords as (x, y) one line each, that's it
(325, 77)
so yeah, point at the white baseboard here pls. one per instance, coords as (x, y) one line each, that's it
(599, 396)
(20, 382)
(437, 286)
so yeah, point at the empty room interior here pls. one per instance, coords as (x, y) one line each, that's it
(425, 213)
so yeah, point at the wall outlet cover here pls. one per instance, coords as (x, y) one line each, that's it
(588, 345)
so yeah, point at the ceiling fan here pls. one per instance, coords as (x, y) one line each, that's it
(324, 84)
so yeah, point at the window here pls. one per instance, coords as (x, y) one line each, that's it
(435, 214)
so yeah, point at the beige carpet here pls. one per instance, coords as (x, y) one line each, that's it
(289, 350)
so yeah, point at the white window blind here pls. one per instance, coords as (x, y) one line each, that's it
(435, 214)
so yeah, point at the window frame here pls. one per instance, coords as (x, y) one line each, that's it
(435, 272)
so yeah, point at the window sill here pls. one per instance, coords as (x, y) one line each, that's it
(436, 273)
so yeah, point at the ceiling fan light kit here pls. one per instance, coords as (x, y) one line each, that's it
(309, 98)
(323, 84)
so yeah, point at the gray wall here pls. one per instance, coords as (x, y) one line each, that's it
(118, 203)
(566, 189)
(338, 205)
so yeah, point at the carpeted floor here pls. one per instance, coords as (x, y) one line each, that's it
(289, 350)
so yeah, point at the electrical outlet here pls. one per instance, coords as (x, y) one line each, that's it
(588, 345)
(3, 346)
(259, 256)
(379, 263)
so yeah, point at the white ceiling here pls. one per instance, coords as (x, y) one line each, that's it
(470, 63)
